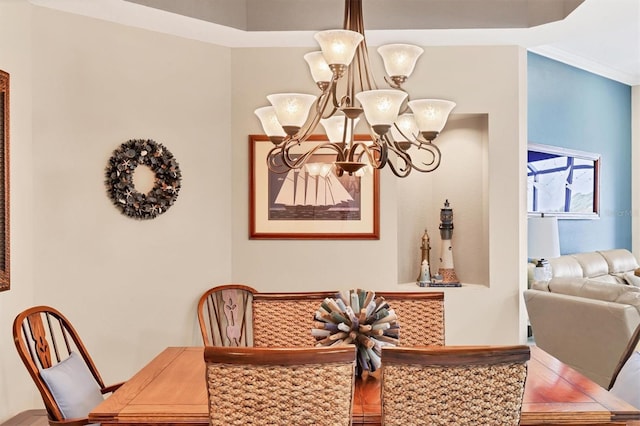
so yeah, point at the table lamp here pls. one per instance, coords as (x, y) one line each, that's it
(543, 243)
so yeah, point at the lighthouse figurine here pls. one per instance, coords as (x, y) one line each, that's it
(446, 269)
(424, 277)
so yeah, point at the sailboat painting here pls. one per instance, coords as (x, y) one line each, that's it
(314, 192)
(312, 202)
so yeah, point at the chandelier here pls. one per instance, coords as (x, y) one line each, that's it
(402, 130)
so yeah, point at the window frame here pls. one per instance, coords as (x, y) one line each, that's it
(593, 159)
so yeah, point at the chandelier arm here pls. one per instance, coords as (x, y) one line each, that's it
(294, 162)
(330, 93)
(321, 105)
(383, 152)
(399, 172)
(301, 159)
(347, 130)
(366, 65)
(306, 131)
(404, 157)
(275, 154)
(435, 161)
(350, 88)
(378, 161)
(404, 108)
(392, 84)
(411, 138)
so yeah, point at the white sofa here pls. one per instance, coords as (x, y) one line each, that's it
(586, 315)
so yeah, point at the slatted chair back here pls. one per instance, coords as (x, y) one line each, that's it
(286, 319)
(280, 386)
(225, 315)
(453, 385)
(420, 316)
(45, 338)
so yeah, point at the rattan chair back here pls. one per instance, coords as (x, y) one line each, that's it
(420, 316)
(225, 315)
(286, 319)
(280, 386)
(453, 385)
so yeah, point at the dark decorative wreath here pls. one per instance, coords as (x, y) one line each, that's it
(120, 185)
(359, 318)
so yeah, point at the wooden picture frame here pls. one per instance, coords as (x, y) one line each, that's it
(353, 211)
(563, 182)
(5, 282)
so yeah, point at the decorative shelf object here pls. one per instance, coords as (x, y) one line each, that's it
(359, 318)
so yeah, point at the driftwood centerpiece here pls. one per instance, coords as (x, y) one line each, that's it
(358, 318)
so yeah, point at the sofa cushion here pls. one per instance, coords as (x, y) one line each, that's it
(592, 264)
(600, 290)
(632, 278)
(565, 266)
(619, 260)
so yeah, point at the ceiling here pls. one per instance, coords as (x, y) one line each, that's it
(601, 36)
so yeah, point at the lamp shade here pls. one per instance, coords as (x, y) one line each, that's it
(334, 127)
(543, 241)
(407, 128)
(269, 121)
(318, 169)
(318, 66)
(338, 46)
(292, 109)
(399, 59)
(381, 107)
(431, 114)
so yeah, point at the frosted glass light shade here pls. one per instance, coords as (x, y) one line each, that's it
(338, 46)
(431, 114)
(543, 241)
(319, 68)
(407, 125)
(381, 107)
(269, 121)
(368, 169)
(292, 109)
(318, 169)
(399, 59)
(334, 127)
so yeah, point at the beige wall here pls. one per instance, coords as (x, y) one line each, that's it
(16, 389)
(483, 81)
(129, 286)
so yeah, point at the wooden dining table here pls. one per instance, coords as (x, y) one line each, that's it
(171, 390)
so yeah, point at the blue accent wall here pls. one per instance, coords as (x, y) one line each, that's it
(572, 108)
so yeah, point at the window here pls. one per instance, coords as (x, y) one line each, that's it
(562, 182)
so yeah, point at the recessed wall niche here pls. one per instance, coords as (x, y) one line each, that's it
(462, 178)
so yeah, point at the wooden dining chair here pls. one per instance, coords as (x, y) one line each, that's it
(59, 364)
(225, 315)
(420, 316)
(453, 385)
(280, 386)
(286, 319)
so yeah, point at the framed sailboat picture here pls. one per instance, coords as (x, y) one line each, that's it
(311, 202)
